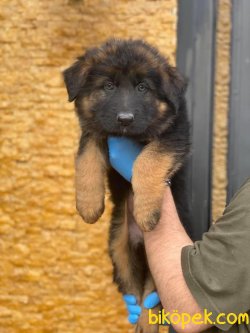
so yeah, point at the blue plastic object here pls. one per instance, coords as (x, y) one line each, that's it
(122, 154)
(130, 299)
(134, 310)
(133, 318)
(151, 300)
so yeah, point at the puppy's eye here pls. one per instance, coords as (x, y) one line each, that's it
(109, 85)
(141, 87)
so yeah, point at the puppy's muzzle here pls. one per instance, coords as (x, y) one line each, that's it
(125, 119)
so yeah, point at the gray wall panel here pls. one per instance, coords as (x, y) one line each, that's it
(195, 59)
(239, 115)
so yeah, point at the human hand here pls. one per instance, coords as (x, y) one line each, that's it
(134, 310)
(122, 154)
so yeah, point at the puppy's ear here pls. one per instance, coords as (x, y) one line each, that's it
(74, 78)
(175, 87)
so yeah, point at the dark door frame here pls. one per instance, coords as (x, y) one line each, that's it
(196, 60)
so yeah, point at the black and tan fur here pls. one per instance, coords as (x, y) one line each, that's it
(129, 76)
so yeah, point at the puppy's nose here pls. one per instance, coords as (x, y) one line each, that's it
(125, 119)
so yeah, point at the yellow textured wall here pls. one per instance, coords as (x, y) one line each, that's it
(222, 80)
(55, 274)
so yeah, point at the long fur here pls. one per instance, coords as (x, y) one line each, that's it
(129, 76)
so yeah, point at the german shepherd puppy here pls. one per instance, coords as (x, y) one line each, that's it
(126, 88)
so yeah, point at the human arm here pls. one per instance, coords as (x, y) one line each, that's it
(163, 247)
(212, 272)
(122, 153)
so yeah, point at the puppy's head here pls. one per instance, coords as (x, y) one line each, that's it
(125, 87)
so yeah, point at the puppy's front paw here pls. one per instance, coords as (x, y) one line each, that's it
(90, 205)
(89, 182)
(146, 211)
(150, 170)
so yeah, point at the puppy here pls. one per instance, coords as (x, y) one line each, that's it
(127, 88)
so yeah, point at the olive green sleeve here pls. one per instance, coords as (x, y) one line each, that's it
(217, 268)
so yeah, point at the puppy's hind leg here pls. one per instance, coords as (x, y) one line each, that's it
(131, 271)
(143, 325)
(128, 271)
